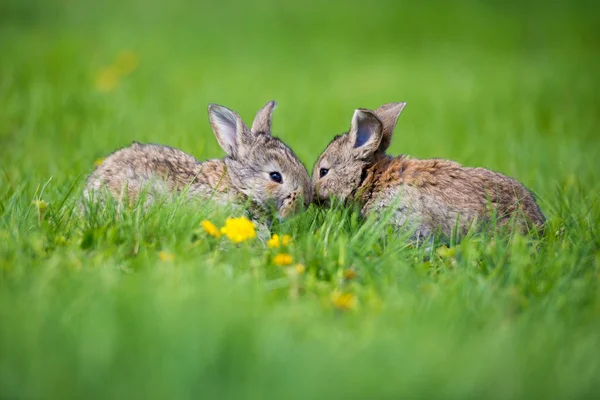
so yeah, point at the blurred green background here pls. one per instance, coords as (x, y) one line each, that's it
(486, 82)
(91, 311)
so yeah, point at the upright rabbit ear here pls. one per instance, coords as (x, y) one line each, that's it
(228, 127)
(388, 114)
(365, 133)
(262, 121)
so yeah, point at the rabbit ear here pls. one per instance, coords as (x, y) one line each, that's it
(262, 121)
(365, 133)
(228, 128)
(388, 114)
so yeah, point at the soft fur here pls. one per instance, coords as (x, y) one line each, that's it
(252, 154)
(428, 197)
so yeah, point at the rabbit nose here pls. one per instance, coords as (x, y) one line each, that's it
(294, 197)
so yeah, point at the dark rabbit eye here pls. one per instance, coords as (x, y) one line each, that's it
(275, 176)
(323, 172)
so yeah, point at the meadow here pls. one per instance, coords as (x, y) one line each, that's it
(149, 305)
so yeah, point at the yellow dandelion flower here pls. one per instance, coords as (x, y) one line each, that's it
(98, 162)
(274, 242)
(210, 228)
(165, 256)
(286, 240)
(41, 205)
(126, 62)
(107, 79)
(238, 229)
(282, 259)
(300, 268)
(277, 241)
(343, 301)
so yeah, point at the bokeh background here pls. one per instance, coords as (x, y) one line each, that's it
(503, 84)
(508, 85)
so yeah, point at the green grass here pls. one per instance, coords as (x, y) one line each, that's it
(89, 309)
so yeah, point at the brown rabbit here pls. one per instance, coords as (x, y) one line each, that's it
(258, 167)
(428, 197)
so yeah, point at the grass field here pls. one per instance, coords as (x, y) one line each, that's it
(149, 306)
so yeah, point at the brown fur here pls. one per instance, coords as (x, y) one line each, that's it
(243, 174)
(127, 171)
(429, 196)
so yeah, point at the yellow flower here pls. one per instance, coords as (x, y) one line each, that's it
(282, 259)
(277, 241)
(286, 240)
(98, 162)
(41, 205)
(210, 228)
(274, 242)
(343, 301)
(300, 268)
(165, 256)
(238, 229)
(107, 79)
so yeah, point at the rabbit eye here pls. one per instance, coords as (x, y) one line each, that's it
(323, 172)
(276, 177)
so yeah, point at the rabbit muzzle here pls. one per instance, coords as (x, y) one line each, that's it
(293, 203)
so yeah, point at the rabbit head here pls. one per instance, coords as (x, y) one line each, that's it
(259, 165)
(341, 168)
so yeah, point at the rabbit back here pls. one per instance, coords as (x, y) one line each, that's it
(157, 171)
(437, 196)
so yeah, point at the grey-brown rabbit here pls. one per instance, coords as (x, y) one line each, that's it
(258, 167)
(429, 197)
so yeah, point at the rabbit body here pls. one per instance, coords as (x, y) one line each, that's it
(437, 196)
(260, 171)
(427, 197)
(159, 170)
